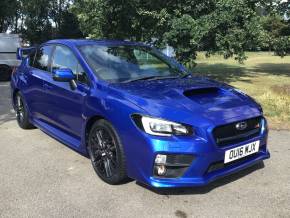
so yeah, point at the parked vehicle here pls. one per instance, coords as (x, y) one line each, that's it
(8, 47)
(138, 113)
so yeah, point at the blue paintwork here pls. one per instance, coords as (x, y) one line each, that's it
(65, 113)
(63, 74)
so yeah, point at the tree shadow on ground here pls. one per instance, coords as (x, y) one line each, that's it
(273, 69)
(232, 73)
(222, 72)
(206, 189)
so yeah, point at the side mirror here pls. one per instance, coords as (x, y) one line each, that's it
(65, 75)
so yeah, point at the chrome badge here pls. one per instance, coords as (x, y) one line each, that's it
(241, 125)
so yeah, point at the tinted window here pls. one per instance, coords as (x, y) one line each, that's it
(31, 57)
(42, 58)
(122, 63)
(63, 58)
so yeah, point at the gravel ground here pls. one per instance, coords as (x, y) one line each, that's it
(40, 177)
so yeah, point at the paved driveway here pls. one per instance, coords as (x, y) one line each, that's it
(40, 177)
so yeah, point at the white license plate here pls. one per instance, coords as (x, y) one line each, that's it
(241, 151)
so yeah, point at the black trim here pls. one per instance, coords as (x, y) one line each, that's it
(240, 136)
(229, 134)
(221, 165)
(7, 52)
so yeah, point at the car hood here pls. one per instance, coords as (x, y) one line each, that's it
(188, 99)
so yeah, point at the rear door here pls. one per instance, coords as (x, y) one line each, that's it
(66, 104)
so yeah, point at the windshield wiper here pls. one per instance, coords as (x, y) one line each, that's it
(150, 78)
(185, 75)
(137, 79)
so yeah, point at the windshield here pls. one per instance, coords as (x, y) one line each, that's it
(128, 63)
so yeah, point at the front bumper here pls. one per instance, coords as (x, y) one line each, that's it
(207, 164)
(212, 176)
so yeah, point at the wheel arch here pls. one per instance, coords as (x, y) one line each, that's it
(90, 122)
(15, 91)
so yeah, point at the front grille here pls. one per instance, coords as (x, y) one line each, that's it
(229, 134)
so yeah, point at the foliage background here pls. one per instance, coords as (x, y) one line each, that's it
(226, 27)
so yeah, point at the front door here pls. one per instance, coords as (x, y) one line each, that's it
(66, 105)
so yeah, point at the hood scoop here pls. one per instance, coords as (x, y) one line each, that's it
(201, 91)
(213, 96)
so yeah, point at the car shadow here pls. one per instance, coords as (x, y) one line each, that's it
(205, 189)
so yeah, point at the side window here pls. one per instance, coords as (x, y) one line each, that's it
(64, 58)
(81, 75)
(41, 59)
(31, 57)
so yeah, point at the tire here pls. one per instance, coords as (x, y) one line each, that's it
(22, 115)
(106, 153)
(5, 73)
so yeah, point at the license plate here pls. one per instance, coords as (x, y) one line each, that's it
(241, 151)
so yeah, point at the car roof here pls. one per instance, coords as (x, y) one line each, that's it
(79, 42)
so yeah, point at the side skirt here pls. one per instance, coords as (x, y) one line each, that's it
(61, 136)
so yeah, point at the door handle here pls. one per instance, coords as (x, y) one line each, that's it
(47, 86)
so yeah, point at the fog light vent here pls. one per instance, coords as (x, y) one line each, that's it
(171, 165)
(161, 170)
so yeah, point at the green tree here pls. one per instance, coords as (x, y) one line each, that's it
(44, 20)
(226, 26)
(284, 8)
(107, 18)
(276, 26)
(8, 14)
(38, 26)
(69, 26)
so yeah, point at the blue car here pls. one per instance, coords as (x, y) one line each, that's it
(137, 113)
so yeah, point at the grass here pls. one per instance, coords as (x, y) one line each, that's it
(263, 76)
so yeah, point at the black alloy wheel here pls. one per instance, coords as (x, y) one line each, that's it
(106, 153)
(21, 112)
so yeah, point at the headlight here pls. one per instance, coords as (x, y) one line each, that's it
(155, 126)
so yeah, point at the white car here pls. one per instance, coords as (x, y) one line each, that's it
(8, 48)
